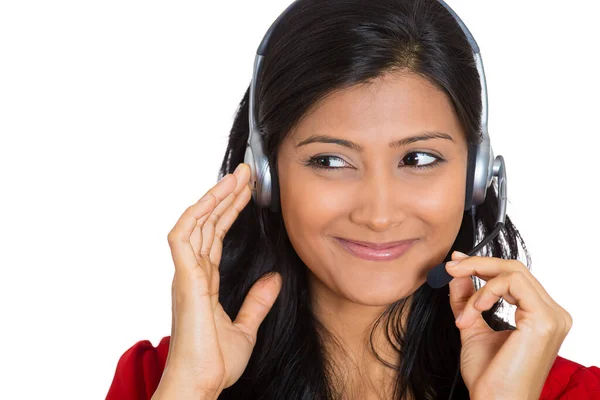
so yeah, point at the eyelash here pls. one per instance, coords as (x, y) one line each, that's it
(312, 161)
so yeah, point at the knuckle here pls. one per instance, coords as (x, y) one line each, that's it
(479, 294)
(517, 265)
(205, 253)
(247, 333)
(259, 301)
(212, 218)
(499, 281)
(220, 233)
(546, 327)
(518, 277)
(173, 236)
(568, 321)
(506, 275)
(204, 260)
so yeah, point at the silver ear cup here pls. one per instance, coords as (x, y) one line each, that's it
(260, 173)
(484, 158)
(263, 189)
(249, 159)
(483, 173)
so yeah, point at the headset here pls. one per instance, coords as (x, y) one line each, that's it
(482, 166)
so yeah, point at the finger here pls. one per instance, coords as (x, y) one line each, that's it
(487, 268)
(179, 236)
(481, 301)
(227, 220)
(220, 191)
(221, 229)
(207, 228)
(461, 290)
(513, 286)
(482, 267)
(242, 174)
(257, 305)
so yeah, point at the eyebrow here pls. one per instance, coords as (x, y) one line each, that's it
(428, 135)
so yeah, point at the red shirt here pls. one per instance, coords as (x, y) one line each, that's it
(140, 368)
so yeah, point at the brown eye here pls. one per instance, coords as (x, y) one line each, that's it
(326, 162)
(420, 159)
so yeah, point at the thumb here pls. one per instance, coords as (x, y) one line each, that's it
(258, 303)
(461, 290)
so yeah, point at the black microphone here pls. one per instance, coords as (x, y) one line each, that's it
(438, 276)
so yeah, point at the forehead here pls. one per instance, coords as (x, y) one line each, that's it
(395, 105)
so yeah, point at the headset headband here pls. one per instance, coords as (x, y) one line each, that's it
(481, 157)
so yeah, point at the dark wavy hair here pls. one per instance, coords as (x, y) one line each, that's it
(322, 47)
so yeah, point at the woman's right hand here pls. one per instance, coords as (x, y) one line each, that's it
(207, 351)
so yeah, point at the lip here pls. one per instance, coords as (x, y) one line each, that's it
(376, 251)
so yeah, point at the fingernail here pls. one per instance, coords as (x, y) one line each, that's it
(452, 263)
(459, 317)
(224, 177)
(459, 255)
(237, 169)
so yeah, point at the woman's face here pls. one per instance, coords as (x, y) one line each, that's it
(375, 164)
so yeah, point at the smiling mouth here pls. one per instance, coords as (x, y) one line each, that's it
(376, 251)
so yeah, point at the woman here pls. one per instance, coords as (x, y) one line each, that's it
(369, 111)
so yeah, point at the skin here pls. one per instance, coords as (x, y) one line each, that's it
(370, 195)
(374, 196)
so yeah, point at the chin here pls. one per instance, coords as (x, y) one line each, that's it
(379, 289)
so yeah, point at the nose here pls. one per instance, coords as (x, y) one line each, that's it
(379, 204)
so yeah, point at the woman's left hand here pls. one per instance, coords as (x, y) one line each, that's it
(506, 364)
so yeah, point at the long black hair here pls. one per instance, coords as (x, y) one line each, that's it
(321, 47)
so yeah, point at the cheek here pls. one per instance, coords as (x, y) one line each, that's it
(309, 203)
(442, 206)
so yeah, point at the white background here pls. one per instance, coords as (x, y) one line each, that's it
(114, 117)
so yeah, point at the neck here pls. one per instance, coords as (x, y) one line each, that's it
(350, 334)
